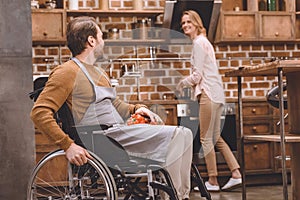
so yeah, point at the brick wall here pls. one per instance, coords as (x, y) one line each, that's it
(160, 77)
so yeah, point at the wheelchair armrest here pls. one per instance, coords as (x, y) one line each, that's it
(91, 128)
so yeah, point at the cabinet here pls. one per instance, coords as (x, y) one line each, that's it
(48, 25)
(271, 26)
(258, 120)
(262, 26)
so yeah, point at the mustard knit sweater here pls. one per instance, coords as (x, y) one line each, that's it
(67, 83)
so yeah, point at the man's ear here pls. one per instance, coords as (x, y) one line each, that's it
(91, 41)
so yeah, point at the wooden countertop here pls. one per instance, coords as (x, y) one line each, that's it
(266, 69)
(273, 138)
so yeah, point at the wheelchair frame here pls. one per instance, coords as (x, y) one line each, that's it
(97, 180)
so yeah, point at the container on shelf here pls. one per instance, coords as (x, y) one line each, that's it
(113, 33)
(73, 4)
(104, 4)
(137, 4)
(262, 5)
(252, 5)
(272, 5)
(141, 29)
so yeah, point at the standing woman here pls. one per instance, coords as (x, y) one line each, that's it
(208, 87)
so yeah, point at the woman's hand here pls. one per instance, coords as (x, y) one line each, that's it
(155, 119)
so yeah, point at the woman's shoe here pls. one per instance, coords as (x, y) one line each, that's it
(233, 183)
(212, 188)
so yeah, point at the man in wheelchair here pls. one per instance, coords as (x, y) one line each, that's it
(87, 91)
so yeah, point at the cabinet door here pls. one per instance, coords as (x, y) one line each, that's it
(48, 25)
(168, 113)
(237, 26)
(258, 157)
(279, 26)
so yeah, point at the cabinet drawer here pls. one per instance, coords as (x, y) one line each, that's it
(271, 26)
(256, 109)
(257, 127)
(48, 25)
(238, 26)
(257, 156)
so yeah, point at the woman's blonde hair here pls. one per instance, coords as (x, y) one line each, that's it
(196, 21)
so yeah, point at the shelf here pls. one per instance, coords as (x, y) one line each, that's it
(115, 13)
(111, 42)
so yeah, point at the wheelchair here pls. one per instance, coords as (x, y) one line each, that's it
(110, 175)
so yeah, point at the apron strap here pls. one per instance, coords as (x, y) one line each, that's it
(82, 67)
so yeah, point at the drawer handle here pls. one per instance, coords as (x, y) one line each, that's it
(45, 33)
(254, 110)
(240, 34)
(276, 34)
(254, 128)
(255, 147)
(167, 112)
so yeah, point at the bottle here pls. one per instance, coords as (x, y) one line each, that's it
(137, 4)
(103, 4)
(281, 5)
(271, 5)
(262, 5)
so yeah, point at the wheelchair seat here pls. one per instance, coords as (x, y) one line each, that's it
(110, 174)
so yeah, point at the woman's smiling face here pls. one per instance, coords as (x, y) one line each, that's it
(188, 27)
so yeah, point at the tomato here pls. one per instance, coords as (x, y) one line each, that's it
(137, 119)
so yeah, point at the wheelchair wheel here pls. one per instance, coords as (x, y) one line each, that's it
(90, 181)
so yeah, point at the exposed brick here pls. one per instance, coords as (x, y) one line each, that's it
(258, 54)
(259, 93)
(259, 78)
(39, 51)
(161, 88)
(256, 47)
(130, 81)
(53, 51)
(245, 47)
(248, 79)
(223, 48)
(267, 47)
(234, 48)
(65, 51)
(234, 63)
(280, 54)
(279, 47)
(232, 55)
(290, 46)
(260, 85)
(183, 72)
(147, 88)
(219, 56)
(155, 96)
(123, 89)
(178, 65)
(166, 80)
(223, 63)
(151, 73)
(248, 93)
(296, 54)
(115, 3)
(42, 68)
(155, 80)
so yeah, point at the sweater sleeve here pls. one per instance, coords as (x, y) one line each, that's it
(198, 59)
(58, 88)
(125, 109)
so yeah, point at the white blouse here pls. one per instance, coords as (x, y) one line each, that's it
(205, 73)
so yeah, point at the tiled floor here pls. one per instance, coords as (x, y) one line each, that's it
(253, 193)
